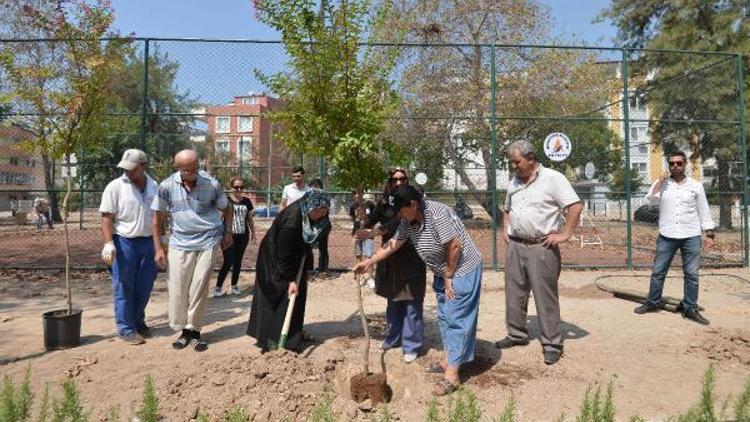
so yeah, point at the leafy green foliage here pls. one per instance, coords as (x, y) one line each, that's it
(509, 412)
(238, 414)
(742, 405)
(337, 95)
(692, 98)
(69, 408)
(323, 411)
(15, 406)
(149, 411)
(596, 408)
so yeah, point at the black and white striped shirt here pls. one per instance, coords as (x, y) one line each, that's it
(439, 226)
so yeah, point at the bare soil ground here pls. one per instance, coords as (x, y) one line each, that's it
(655, 360)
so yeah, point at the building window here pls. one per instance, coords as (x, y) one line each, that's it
(249, 100)
(640, 168)
(634, 134)
(222, 147)
(13, 161)
(636, 102)
(222, 124)
(245, 148)
(245, 124)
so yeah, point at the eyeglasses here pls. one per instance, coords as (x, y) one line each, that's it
(676, 163)
(238, 187)
(398, 179)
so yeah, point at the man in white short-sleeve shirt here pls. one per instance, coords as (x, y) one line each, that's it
(296, 189)
(533, 229)
(128, 249)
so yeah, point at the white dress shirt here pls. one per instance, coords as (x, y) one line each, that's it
(683, 208)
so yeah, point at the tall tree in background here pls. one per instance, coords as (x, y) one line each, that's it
(337, 95)
(68, 95)
(683, 91)
(168, 119)
(446, 113)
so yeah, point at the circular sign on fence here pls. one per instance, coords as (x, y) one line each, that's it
(421, 178)
(557, 146)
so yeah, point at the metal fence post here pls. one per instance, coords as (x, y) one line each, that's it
(743, 147)
(79, 165)
(493, 159)
(626, 145)
(144, 107)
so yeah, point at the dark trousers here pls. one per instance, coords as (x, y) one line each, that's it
(233, 259)
(666, 247)
(323, 251)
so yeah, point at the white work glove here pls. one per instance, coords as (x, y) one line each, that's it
(109, 252)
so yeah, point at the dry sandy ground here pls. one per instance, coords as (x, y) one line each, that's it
(656, 360)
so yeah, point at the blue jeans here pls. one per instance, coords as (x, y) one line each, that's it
(666, 247)
(405, 324)
(457, 318)
(133, 275)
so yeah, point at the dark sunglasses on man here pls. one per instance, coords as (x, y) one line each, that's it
(676, 163)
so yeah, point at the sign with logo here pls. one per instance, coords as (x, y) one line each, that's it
(421, 178)
(557, 146)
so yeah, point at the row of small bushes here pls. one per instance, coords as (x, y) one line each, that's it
(597, 406)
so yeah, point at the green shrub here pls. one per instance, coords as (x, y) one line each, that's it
(595, 408)
(16, 405)
(69, 409)
(509, 412)
(742, 405)
(149, 411)
(237, 414)
(323, 411)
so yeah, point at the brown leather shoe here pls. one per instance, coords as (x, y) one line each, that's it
(134, 339)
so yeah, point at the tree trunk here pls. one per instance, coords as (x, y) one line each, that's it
(725, 199)
(49, 186)
(69, 186)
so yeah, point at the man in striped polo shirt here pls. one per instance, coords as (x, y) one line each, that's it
(441, 240)
(194, 201)
(532, 217)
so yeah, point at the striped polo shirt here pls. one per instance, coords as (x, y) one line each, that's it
(195, 217)
(439, 226)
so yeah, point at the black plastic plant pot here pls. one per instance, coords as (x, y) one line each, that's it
(62, 330)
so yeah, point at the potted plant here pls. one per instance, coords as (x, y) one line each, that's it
(59, 86)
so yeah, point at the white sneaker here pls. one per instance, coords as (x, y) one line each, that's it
(371, 283)
(236, 290)
(216, 293)
(410, 357)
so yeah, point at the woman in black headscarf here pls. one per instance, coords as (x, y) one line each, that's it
(292, 233)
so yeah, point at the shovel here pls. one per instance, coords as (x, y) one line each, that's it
(290, 307)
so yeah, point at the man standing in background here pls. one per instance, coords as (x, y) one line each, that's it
(296, 189)
(683, 214)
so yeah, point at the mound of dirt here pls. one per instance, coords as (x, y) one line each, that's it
(279, 385)
(724, 345)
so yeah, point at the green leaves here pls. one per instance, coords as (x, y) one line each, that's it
(336, 96)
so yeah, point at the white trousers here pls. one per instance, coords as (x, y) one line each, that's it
(188, 282)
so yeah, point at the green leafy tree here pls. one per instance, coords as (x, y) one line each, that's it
(337, 95)
(68, 93)
(684, 91)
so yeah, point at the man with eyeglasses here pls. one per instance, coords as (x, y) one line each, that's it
(683, 215)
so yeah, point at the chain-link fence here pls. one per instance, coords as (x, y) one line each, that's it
(461, 106)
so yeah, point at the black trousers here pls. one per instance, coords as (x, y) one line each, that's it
(233, 259)
(323, 250)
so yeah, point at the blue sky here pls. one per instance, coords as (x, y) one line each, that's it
(215, 72)
(234, 19)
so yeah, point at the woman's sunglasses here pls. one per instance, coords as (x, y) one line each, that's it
(238, 187)
(398, 179)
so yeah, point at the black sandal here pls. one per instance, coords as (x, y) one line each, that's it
(444, 387)
(200, 345)
(181, 342)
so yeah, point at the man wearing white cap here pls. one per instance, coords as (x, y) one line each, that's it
(128, 248)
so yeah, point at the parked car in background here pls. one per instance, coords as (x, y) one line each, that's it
(647, 214)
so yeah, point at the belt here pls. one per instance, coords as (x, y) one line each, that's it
(526, 241)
